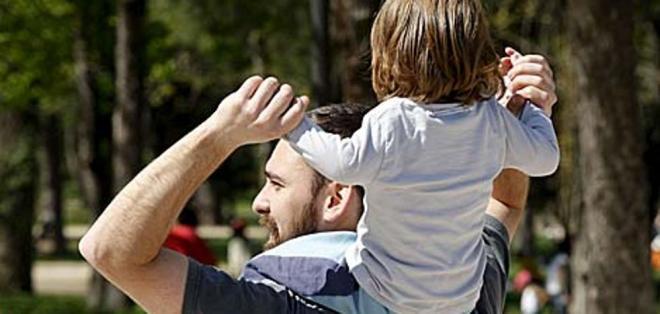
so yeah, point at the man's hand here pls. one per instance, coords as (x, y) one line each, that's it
(527, 77)
(261, 110)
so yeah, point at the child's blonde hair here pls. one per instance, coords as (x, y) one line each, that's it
(434, 51)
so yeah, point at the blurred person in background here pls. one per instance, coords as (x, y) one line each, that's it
(184, 239)
(238, 248)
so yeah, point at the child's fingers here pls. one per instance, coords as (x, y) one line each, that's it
(505, 66)
(514, 54)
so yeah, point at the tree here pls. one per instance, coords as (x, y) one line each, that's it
(35, 69)
(18, 171)
(320, 51)
(610, 263)
(50, 128)
(127, 116)
(350, 37)
(127, 120)
(93, 59)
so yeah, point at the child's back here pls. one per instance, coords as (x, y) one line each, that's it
(428, 172)
(427, 161)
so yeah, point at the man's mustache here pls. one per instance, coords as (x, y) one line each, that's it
(273, 231)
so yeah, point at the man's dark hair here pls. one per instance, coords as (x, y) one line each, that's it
(342, 119)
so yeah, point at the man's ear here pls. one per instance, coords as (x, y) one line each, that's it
(335, 204)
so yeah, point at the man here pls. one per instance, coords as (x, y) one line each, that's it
(124, 244)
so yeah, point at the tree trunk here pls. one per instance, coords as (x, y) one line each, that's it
(18, 173)
(51, 136)
(126, 124)
(93, 132)
(351, 28)
(320, 52)
(526, 234)
(611, 263)
(127, 116)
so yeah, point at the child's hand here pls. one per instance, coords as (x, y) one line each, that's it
(527, 77)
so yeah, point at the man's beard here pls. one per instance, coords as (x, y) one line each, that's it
(304, 223)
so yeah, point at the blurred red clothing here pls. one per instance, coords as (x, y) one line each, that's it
(184, 239)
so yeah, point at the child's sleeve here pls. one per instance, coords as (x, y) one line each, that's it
(531, 142)
(353, 160)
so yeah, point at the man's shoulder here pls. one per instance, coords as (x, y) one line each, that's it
(307, 273)
(211, 290)
(310, 265)
(314, 267)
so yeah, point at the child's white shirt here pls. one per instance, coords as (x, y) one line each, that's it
(428, 172)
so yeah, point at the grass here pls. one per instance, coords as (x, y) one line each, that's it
(31, 304)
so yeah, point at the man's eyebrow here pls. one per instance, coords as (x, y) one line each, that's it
(273, 177)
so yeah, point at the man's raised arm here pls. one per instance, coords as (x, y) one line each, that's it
(530, 77)
(125, 243)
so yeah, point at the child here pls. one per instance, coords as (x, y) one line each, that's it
(427, 155)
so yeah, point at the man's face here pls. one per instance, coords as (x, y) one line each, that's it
(287, 203)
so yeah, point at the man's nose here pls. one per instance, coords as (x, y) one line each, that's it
(260, 204)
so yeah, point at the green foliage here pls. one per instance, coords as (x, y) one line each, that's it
(209, 47)
(28, 304)
(36, 62)
(199, 51)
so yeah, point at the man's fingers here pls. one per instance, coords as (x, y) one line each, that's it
(521, 81)
(249, 86)
(263, 94)
(536, 59)
(526, 68)
(278, 104)
(539, 97)
(294, 115)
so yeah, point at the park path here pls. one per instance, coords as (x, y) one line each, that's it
(72, 277)
(61, 277)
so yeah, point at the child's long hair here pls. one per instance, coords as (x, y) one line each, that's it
(434, 51)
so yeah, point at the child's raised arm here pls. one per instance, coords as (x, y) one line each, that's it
(531, 143)
(353, 160)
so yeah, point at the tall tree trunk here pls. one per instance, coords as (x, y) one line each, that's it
(18, 169)
(351, 27)
(320, 52)
(611, 263)
(526, 234)
(126, 123)
(94, 131)
(127, 116)
(51, 136)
